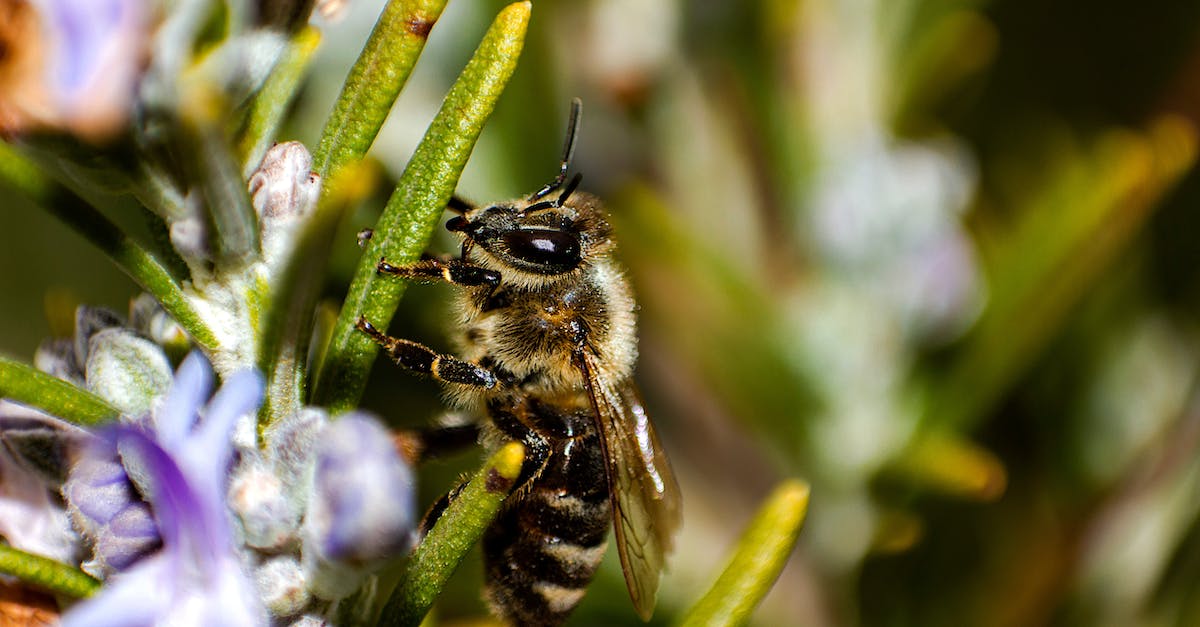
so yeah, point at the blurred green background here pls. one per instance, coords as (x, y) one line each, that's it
(935, 257)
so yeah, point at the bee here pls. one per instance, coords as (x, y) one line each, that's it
(549, 345)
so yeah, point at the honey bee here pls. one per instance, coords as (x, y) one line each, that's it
(548, 349)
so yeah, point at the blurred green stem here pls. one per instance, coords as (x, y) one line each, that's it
(141, 266)
(287, 323)
(46, 573)
(757, 562)
(210, 162)
(271, 103)
(458, 528)
(412, 212)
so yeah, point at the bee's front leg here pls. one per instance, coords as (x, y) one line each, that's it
(422, 359)
(453, 271)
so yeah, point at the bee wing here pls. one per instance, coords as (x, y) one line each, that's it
(642, 488)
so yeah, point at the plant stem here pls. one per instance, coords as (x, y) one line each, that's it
(46, 573)
(287, 323)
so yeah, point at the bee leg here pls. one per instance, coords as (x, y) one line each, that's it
(421, 445)
(454, 271)
(438, 508)
(458, 205)
(425, 360)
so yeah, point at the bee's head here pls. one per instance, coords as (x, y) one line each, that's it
(549, 234)
(546, 238)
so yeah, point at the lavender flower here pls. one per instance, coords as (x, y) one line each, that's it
(181, 469)
(75, 64)
(361, 508)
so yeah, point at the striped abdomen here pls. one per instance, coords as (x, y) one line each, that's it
(544, 547)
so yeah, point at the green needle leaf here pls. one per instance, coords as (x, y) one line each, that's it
(269, 106)
(374, 82)
(288, 321)
(412, 212)
(150, 274)
(456, 531)
(210, 160)
(30, 386)
(46, 573)
(760, 556)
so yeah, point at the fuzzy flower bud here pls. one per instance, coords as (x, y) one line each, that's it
(291, 443)
(88, 322)
(282, 585)
(284, 191)
(256, 495)
(56, 357)
(105, 507)
(31, 517)
(361, 508)
(147, 316)
(127, 370)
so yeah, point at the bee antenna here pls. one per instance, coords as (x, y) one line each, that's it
(557, 202)
(567, 153)
(569, 189)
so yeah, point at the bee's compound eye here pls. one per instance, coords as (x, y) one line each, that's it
(555, 251)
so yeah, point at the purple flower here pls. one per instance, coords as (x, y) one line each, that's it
(361, 509)
(75, 63)
(181, 469)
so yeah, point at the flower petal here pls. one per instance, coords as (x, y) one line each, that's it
(241, 394)
(193, 382)
(130, 599)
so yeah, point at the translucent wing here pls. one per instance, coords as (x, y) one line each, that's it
(642, 487)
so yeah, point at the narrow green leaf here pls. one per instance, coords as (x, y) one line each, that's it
(211, 165)
(287, 324)
(456, 531)
(412, 212)
(374, 82)
(46, 573)
(21, 176)
(30, 386)
(271, 103)
(1069, 231)
(758, 560)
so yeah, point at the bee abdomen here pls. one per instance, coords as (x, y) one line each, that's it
(541, 553)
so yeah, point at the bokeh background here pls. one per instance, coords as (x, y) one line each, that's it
(936, 257)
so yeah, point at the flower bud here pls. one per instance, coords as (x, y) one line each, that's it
(147, 316)
(256, 496)
(127, 370)
(283, 190)
(88, 322)
(291, 444)
(361, 507)
(56, 357)
(282, 585)
(39, 443)
(106, 509)
(189, 233)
